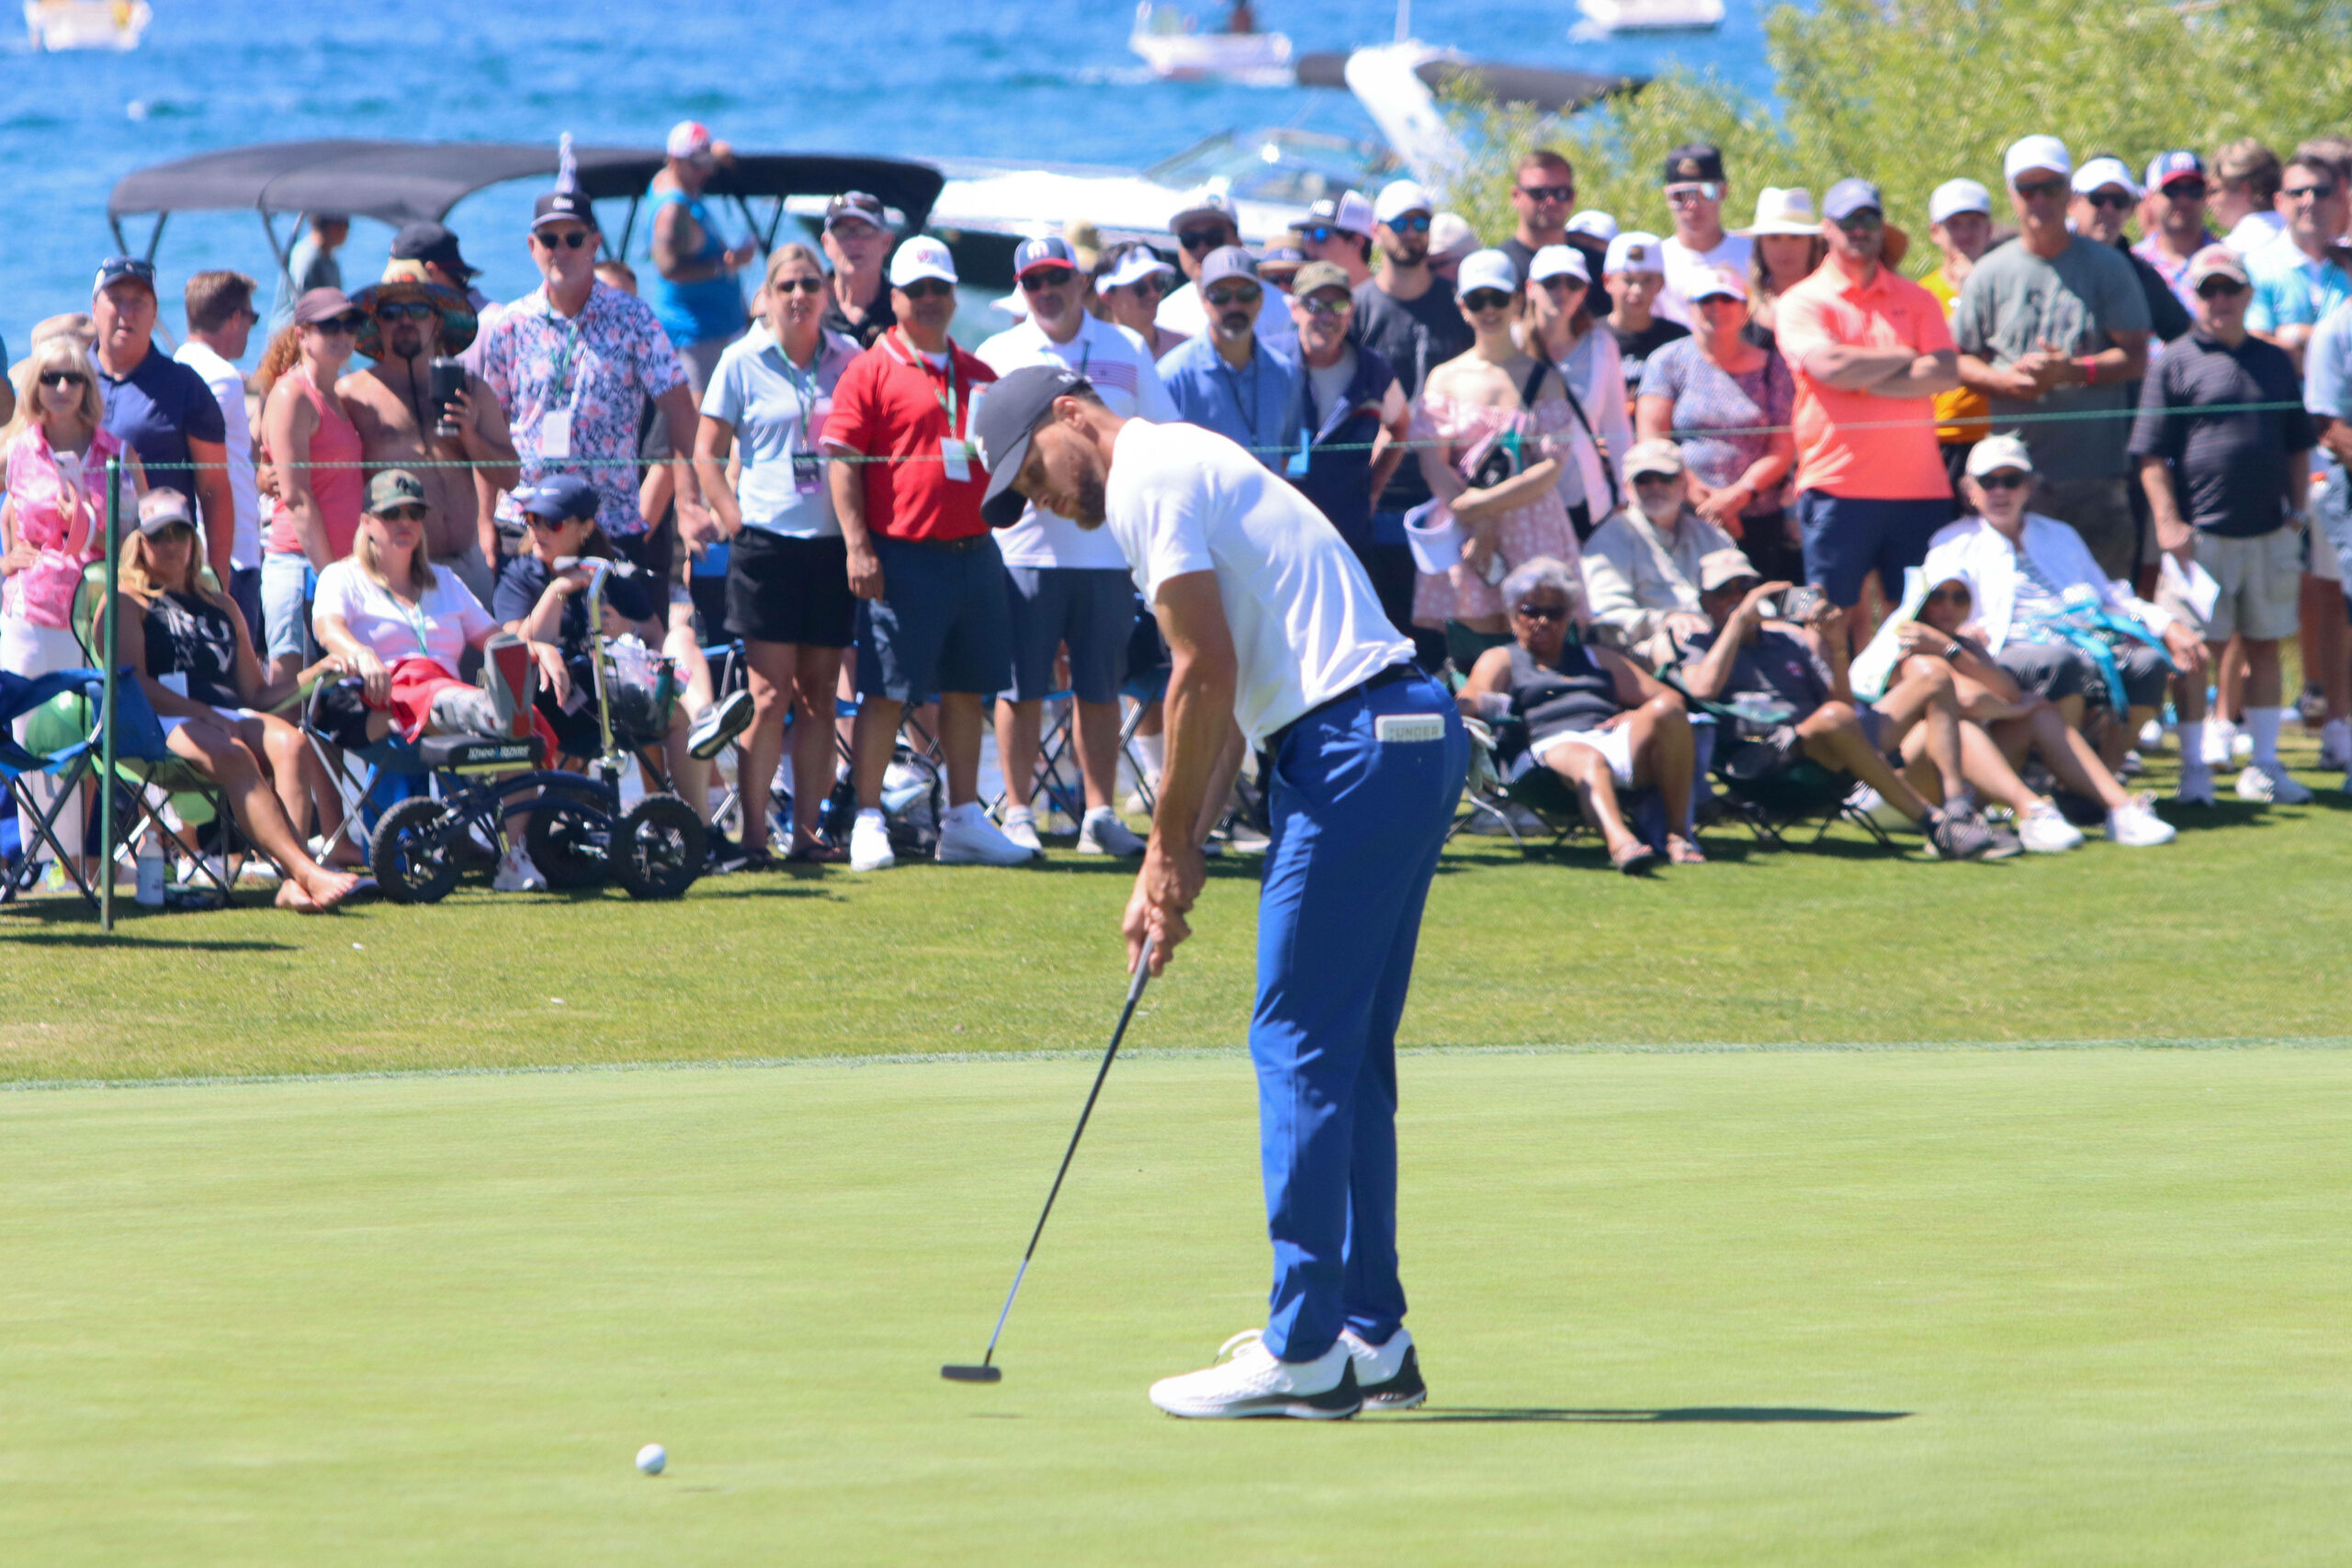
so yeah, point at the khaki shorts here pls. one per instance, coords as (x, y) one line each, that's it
(2261, 579)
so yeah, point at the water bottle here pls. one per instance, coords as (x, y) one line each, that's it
(151, 873)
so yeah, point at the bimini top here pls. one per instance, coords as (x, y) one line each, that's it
(406, 182)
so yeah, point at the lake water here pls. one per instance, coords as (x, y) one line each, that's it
(1048, 80)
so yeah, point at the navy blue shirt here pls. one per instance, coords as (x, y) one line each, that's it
(2229, 469)
(523, 578)
(157, 409)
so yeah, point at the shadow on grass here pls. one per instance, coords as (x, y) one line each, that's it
(1725, 1414)
(129, 937)
(2227, 812)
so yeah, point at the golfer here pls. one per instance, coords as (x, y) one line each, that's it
(1273, 628)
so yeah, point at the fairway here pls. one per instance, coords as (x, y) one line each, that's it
(1887, 1308)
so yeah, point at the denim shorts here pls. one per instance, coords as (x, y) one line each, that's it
(941, 624)
(1847, 538)
(286, 584)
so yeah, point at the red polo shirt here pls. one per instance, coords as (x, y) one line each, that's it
(892, 403)
(1852, 444)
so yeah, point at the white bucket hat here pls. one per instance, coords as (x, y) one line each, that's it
(1783, 209)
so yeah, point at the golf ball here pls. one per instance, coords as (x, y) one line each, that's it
(651, 1458)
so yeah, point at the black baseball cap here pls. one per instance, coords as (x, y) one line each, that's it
(432, 242)
(1693, 161)
(857, 204)
(1009, 415)
(559, 205)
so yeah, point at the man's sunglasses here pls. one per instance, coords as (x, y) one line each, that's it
(1321, 305)
(1705, 190)
(2037, 190)
(404, 310)
(2118, 199)
(805, 285)
(1861, 222)
(571, 239)
(1487, 300)
(1049, 277)
(1542, 193)
(63, 378)
(1201, 239)
(927, 288)
(2220, 288)
(1248, 294)
(2317, 193)
(2183, 190)
(1542, 612)
(1411, 223)
(2007, 479)
(1319, 234)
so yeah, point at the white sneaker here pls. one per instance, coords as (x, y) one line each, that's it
(2271, 783)
(1103, 834)
(2196, 786)
(1021, 828)
(517, 874)
(869, 843)
(2135, 824)
(2221, 735)
(1251, 1382)
(2044, 831)
(968, 838)
(1388, 1376)
(2151, 735)
(2241, 744)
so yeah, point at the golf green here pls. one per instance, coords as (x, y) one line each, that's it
(1883, 1306)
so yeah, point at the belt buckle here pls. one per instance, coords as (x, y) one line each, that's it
(1409, 729)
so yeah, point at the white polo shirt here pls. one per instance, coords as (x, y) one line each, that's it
(1684, 267)
(1116, 361)
(228, 384)
(1306, 624)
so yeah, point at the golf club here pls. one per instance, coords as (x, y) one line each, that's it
(987, 1372)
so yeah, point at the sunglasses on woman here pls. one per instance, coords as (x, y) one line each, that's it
(1543, 612)
(1479, 300)
(345, 325)
(61, 380)
(805, 285)
(2007, 479)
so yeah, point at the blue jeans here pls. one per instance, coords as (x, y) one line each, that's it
(286, 584)
(1357, 826)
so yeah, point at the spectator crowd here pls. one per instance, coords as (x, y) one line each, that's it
(1723, 499)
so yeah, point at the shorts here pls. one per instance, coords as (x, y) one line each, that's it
(286, 588)
(651, 551)
(245, 592)
(940, 625)
(1091, 608)
(785, 589)
(2262, 581)
(1847, 538)
(1615, 745)
(2329, 539)
(2100, 511)
(2056, 671)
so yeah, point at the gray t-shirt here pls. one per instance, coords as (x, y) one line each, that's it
(2014, 302)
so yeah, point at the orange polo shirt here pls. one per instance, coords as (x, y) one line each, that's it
(1852, 444)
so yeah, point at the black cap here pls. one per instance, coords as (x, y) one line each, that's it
(857, 204)
(1693, 161)
(557, 205)
(432, 242)
(1009, 415)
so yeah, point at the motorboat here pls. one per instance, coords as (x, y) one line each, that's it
(1172, 45)
(86, 24)
(1606, 17)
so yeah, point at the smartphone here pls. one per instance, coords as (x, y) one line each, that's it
(1799, 603)
(448, 380)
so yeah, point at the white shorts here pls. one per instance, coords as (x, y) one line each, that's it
(1615, 745)
(2261, 581)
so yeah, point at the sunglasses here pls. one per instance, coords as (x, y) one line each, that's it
(1221, 298)
(1482, 299)
(177, 533)
(2183, 190)
(1320, 306)
(1861, 222)
(404, 310)
(1318, 235)
(1542, 193)
(1411, 223)
(347, 324)
(1542, 612)
(2220, 288)
(1705, 190)
(805, 285)
(409, 513)
(63, 378)
(928, 288)
(2038, 190)
(1200, 238)
(2317, 193)
(2118, 199)
(1641, 480)
(1049, 277)
(2007, 479)
(1564, 283)
(1957, 596)
(571, 239)
(532, 520)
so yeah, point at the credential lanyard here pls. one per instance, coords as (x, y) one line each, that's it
(947, 399)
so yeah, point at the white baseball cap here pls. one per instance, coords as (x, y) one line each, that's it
(1132, 269)
(1994, 453)
(1633, 251)
(688, 139)
(2101, 172)
(1350, 211)
(1558, 261)
(922, 258)
(1595, 223)
(1486, 269)
(1955, 197)
(2036, 152)
(1399, 197)
(1451, 235)
(1714, 283)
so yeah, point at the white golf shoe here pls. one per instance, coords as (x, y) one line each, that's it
(1388, 1376)
(2196, 786)
(517, 874)
(2271, 783)
(1103, 834)
(1021, 827)
(2135, 825)
(869, 843)
(2045, 830)
(966, 837)
(1247, 1381)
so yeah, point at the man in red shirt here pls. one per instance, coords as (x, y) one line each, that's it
(1870, 350)
(921, 555)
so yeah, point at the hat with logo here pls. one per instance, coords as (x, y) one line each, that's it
(1719, 569)
(1399, 198)
(1278, 265)
(1633, 251)
(1693, 161)
(2036, 152)
(689, 139)
(1319, 274)
(1558, 261)
(1714, 283)
(560, 498)
(2216, 261)
(1595, 223)
(115, 269)
(1655, 456)
(920, 257)
(1994, 453)
(1486, 269)
(163, 508)
(1783, 209)
(1451, 235)
(2178, 164)
(431, 243)
(1051, 251)
(392, 488)
(1349, 210)
(1226, 262)
(1008, 416)
(1953, 197)
(2101, 172)
(857, 205)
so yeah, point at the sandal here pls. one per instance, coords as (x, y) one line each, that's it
(1635, 860)
(814, 853)
(1681, 850)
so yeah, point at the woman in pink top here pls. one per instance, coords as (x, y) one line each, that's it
(314, 450)
(53, 523)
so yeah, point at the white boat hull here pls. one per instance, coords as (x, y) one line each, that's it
(1652, 16)
(86, 24)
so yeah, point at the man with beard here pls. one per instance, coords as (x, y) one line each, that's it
(1226, 381)
(410, 323)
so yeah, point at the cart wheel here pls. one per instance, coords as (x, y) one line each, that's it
(657, 847)
(567, 844)
(414, 855)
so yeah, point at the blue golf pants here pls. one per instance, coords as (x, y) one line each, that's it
(1358, 821)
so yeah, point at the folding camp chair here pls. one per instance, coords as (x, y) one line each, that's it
(57, 747)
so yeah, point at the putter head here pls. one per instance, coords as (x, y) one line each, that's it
(972, 1374)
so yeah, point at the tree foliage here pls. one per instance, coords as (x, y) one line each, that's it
(1911, 93)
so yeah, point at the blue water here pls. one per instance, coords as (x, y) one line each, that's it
(1049, 80)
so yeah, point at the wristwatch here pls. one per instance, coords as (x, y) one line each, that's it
(1952, 651)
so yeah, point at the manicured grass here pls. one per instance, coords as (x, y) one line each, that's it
(2233, 931)
(1889, 1307)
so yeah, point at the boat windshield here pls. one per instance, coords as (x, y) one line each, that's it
(1288, 167)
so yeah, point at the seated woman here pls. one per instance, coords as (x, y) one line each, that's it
(402, 628)
(169, 625)
(1593, 716)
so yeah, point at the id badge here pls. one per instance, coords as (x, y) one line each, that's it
(1295, 467)
(957, 456)
(808, 473)
(555, 433)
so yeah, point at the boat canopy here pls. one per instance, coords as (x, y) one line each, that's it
(407, 182)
